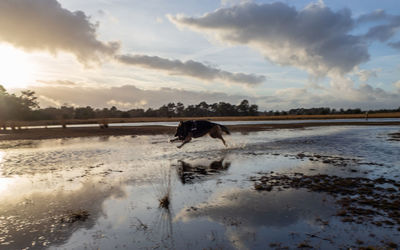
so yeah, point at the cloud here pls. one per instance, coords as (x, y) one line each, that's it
(44, 25)
(128, 96)
(159, 20)
(374, 16)
(233, 2)
(397, 85)
(127, 105)
(316, 38)
(57, 82)
(190, 68)
(382, 32)
(395, 45)
(46, 101)
(342, 93)
(364, 74)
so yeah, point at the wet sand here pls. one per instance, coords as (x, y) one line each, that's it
(58, 133)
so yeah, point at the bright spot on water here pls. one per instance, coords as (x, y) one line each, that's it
(1, 161)
(4, 182)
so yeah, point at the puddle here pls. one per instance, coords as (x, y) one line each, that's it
(105, 192)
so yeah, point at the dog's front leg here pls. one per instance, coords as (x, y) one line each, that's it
(174, 140)
(187, 139)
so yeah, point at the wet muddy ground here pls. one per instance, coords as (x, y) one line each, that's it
(395, 136)
(322, 187)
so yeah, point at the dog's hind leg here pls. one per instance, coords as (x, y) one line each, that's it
(187, 139)
(222, 140)
(216, 132)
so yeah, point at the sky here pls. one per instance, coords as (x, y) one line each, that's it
(140, 54)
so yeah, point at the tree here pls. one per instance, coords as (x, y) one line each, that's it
(162, 111)
(84, 113)
(180, 108)
(244, 107)
(171, 109)
(253, 110)
(29, 100)
(67, 112)
(16, 108)
(2, 90)
(202, 109)
(3, 110)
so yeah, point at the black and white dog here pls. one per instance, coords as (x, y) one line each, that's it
(198, 128)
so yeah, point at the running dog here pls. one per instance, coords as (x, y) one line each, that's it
(198, 128)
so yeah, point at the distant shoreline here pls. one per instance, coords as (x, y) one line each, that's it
(59, 133)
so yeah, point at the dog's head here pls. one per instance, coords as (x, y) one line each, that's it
(180, 131)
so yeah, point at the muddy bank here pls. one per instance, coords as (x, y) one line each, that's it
(56, 133)
(362, 200)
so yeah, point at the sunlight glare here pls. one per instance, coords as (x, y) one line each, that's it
(16, 70)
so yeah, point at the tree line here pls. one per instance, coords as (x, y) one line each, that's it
(325, 111)
(25, 107)
(13, 107)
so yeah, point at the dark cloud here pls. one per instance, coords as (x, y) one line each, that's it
(315, 38)
(388, 26)
(45, 25)
(395, 45)
(383, 32)
(374, 16)
(190, 68)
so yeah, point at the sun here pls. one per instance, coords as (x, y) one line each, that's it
(16, 69)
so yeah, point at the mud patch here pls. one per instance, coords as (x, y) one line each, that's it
(18, 144)
(74, 216)
(394, 136)
(337, 161)
(361, 200)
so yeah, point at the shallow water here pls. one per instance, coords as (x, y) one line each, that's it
(213, 203)
(173, 124)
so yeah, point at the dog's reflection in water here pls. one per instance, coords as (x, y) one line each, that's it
(190, 173)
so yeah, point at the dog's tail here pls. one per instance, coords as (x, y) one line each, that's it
(225, 129)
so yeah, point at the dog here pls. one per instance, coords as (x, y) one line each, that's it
(198, 128)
